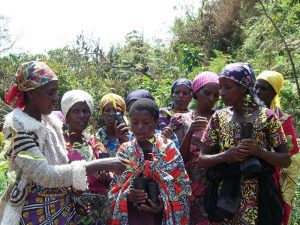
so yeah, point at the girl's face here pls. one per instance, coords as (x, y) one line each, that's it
(78, 116)
(44, 98)
(264, 91)
(231, 92)
(108, 114)
(207, 96)
(143, 125)
(182, 96)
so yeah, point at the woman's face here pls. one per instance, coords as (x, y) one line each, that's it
(78, 116)
(182, 96)
(265, 91)
(108, 114)
(231, 92)
(44, 98)
(143, 125)
(207, 96)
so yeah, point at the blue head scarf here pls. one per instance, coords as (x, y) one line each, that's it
(243, 74)
(181, 81)
(138, 94)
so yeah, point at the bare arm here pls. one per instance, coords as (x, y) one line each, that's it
(109, 164)
(231, 155)
(185, 146)
(199, 124)
(278, 158)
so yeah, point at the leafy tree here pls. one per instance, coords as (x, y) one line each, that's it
(6, 42)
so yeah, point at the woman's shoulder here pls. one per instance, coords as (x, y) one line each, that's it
(224, 112)
(268, 113)
(283, 116)
(18, 121)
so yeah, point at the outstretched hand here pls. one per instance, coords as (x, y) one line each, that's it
(105, 177)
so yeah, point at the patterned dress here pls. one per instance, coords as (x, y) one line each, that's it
(111, 145)
(167, 169)
(96, 195)
(287, 177)
(224, 133)
(197, 175)
(46, 206)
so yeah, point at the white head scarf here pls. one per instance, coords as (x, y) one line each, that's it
(72, 97)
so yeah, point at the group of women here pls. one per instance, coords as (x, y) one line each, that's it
(172, 165)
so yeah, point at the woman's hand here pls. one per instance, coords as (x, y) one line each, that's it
(168, 132)
(121, 132)
(105, 177)
(82, 209)
(250, 147)
(235, 155)
(198, 124)
(74, 191)
(152, 208)
(115, 165)
(137, 196)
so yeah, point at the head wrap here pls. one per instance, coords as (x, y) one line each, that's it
(29, 76)
(70, 98)
(117, 101)
(240, 72)
(138, 94)
(204, 78)
(276, 80)
(181, 81)
(243, 74)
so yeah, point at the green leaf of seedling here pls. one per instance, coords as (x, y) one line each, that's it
(26, 155)
(3, 165)
(151, 140)
(11, 177)
(77, 145)
(289, 142)
(1, 140)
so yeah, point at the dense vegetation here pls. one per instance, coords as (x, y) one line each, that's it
(264, 33)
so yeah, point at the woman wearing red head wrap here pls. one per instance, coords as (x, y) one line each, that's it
(43, 176)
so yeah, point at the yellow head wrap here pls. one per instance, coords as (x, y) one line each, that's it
(116, 100)
(276, 80)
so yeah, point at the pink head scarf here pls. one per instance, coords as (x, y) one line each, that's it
(204, 78)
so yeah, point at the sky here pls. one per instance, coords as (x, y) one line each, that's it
(42, 25)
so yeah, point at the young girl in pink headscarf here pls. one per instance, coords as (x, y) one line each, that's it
(205, 88)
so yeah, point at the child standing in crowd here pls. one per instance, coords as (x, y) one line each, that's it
(152, 159)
